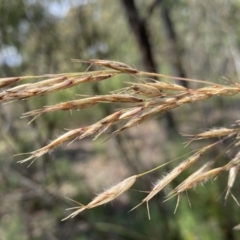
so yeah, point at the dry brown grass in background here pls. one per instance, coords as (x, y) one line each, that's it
(147, 99)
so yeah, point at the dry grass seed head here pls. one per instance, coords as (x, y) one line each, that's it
(83, 103)
(204, 168)
(79, 133)
(131, 112)
(146, 90)
(4, 82)
(154, 89)
(51, 85)
(166, 86)
(107, 196)
(63, 138)
(234, 162)
(168, 178)
(173, 174)
(102, 125)
(200, 178)
(131, 123)
(216, 132)
(119, 66)
(231, 179)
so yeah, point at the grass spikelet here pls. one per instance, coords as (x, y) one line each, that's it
(111, 193)
(4, 82)
(107, 196)
(84, 103)
(231, 179)
(79, 133)
(63, 138)
(133, 112)
(119, 66)
(201, 170)
(131, 123)
(144, 89)
(169, 177)
(234, 162)
(166, 86)
(51, 85)
(173, 174)
(216, 132)
(198, 179)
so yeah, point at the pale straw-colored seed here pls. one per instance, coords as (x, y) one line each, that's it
(153, 102)
(34, 89)
(237, 227)
(200, 178)
(49, 82)
(169, 177)
(145, 89)
(228, 91)
(102, 125)
(184, 100)
(83, 103)
(172, 99)
(98, 78)
(102, 130)
(131, 123)
(61, 85)
(51, 85)
(63, 138)
(234, 162)
(167, 105)
(219, 90)
(204, 168)
(79, 133)
(77, 104)
(132, 112)
(193, 179)
(38, 85)
(114, 117)
(18, 88)
(106, 196)
(92, 129)
(166, 86)
(199, 97)
(119, 66)
(4, 82)
(215, 132)
(173, 174)
(231, 179)
(159, 109)
(210, 90)
(120, 98)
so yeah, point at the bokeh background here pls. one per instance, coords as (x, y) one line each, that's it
(194, 39)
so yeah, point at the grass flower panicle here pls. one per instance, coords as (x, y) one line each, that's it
(144, 100)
